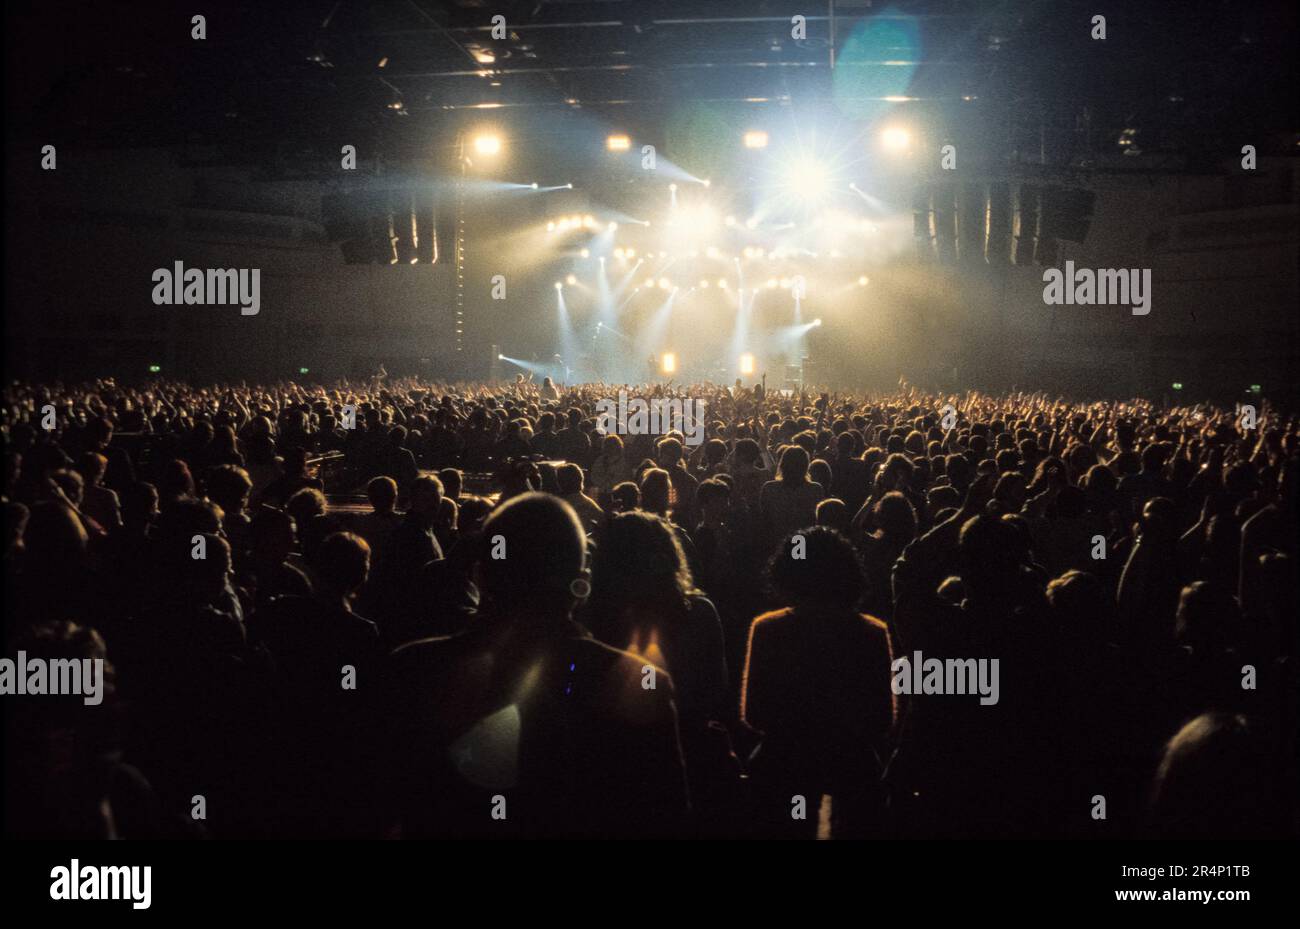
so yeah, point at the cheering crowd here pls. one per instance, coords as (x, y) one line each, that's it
(533, 628)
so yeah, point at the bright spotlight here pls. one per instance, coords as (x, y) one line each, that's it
(862, 281)
(697, 220)
(550, 227)
(808, 179)
(619, 253)
(558, 285)
(722, 282)
(703, 284)
(896, 139)
(817, 321)
(756, 138)
(746, 364)
(534, 185)
(501, 357)
(612, 226)
(618, 142)
(571, 280)
(584, 253)
(672, 188)
(487, 143)
(663, 283)
(668, 363)
(649, 282)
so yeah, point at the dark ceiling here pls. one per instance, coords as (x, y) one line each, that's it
(270, 75)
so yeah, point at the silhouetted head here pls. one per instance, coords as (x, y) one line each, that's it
(656, 487)
(272, 534)
(625, 496)
(568, 478)
(611, 446)
(342, 563)
(382, 493)
(819, 472)
(204, 579)
(817, 567)
(533, 549)
(712, 498)
(1079, 606)
(54, 537)
(640, 562)
(794, 465)
(746, 452)
(229, 486)
(833, 514)
(989, 554)
(669, 452)
(92, 466)
(452, 482)
(426, 496)
(1217, 781)
(1208, 619)
(1159, 519)
(896, 516)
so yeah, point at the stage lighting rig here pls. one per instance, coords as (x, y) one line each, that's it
(487, 143)
(808, 179)
(897, 139)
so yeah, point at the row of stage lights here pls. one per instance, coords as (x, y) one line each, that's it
(894, 138)
(576, 221)
(746, 364)
(897, 139)
(668, 363)
(749, 254)
(619, 142)
(663, 283)
(698, 215)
